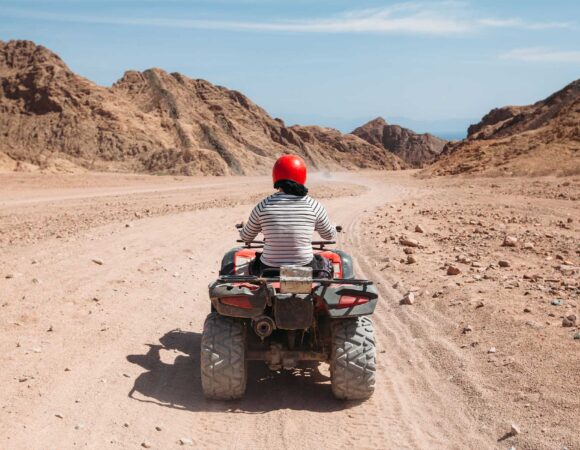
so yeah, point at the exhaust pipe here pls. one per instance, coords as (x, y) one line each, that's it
(263, 326)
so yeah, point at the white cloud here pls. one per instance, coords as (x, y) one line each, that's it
(519, 23)
(542, 54)
(422, 18)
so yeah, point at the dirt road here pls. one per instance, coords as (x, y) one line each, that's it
(103, 296)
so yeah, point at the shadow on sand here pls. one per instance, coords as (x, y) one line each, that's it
(178, 385)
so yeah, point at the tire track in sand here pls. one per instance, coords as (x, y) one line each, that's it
(416, 399)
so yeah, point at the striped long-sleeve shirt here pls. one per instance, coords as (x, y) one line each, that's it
(288, 223)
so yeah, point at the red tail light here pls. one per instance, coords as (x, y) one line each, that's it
(239, 302)
(348, 301)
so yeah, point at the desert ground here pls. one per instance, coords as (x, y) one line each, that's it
(103, 294)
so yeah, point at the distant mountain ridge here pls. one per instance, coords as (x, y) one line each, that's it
(447, 129)
(538, 139)
(416, 149)
(152, 121)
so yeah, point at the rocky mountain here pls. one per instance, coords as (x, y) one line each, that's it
(416, 149)
(543, 138)
(151, 121)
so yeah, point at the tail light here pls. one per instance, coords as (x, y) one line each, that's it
(239, 301)
(348, 301)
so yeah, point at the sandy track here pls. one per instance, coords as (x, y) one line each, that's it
(121, 357)
(45, 206)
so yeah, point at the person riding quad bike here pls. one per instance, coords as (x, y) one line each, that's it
(295, 301)
(288, 220)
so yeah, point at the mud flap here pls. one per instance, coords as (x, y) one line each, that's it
(293, 312)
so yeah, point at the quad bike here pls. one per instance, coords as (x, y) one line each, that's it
(287, 316)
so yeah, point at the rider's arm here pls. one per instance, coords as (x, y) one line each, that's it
(252, 227)
(323, 225)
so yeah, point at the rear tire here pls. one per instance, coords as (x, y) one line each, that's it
(223, 358)
(353, 358)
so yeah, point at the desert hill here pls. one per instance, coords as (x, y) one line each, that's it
(151, 121)
(543, 138)
(416, 149)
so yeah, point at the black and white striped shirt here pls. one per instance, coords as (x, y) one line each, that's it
(288, 223)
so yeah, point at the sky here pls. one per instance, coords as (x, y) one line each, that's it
(431, 65)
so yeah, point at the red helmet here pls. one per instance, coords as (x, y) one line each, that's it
(289, 167)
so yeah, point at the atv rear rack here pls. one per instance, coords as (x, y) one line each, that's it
(266, 280)
(260, 244)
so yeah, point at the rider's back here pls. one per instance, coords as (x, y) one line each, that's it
(288, 223)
